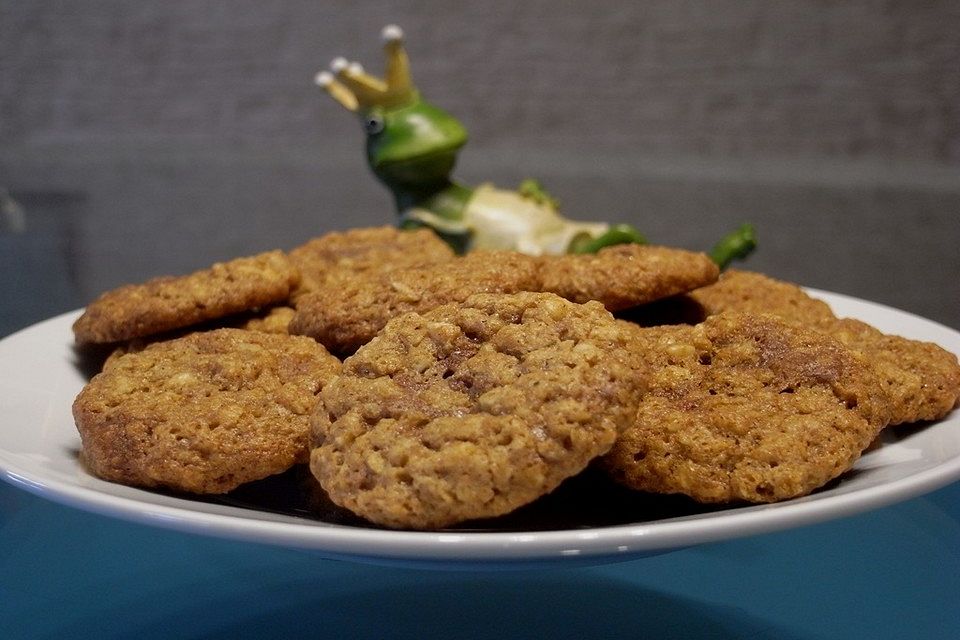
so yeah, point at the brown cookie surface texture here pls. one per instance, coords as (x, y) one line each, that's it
(751, 292)
(203, 413)
(921, 379)
(173, 302)
(349, 313)
(471, 410)
(339, 255)
(626, 275)
(746, 408)
(273, 320)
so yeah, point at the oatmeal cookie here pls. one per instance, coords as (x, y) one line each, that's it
(359, 252)
(203, 413)
(746, 408)
(273, 320)
(350, 312)
(751, 292)
(471, 410)
(921, 379)
(168, 303)
(626, 275)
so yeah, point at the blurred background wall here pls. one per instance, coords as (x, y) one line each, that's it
(145, 138)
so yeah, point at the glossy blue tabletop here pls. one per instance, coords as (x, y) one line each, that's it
(890, 573)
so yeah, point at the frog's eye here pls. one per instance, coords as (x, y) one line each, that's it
(373, 124)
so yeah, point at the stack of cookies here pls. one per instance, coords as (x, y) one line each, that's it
(425, 389)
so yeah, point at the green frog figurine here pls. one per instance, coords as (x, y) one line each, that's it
(412, 148)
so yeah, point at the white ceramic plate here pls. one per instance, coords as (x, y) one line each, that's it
(40, 375)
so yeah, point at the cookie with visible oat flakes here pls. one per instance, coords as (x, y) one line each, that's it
(745, 407)
(347, 314)
(751, 292)
(173, 302)
(472, 409)
(922, 380)
(340, 255)
(203, 413)
(273, 320)
(626, 275)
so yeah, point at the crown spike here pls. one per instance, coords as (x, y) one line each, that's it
(354, 73)
(337, 90)
(398, 64)
(368, 89)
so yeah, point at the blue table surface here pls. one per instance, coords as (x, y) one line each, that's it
(889, 573)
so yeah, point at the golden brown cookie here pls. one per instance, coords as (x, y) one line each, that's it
(626, 275)
(921, 379)
(471, 410)
(344, 254)
(131, 346)
(746, 408)
(750, 292)
(349, 313)
(203, 413)
(168, 303)
(273, 320)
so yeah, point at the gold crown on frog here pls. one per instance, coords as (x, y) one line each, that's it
(358, 91)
